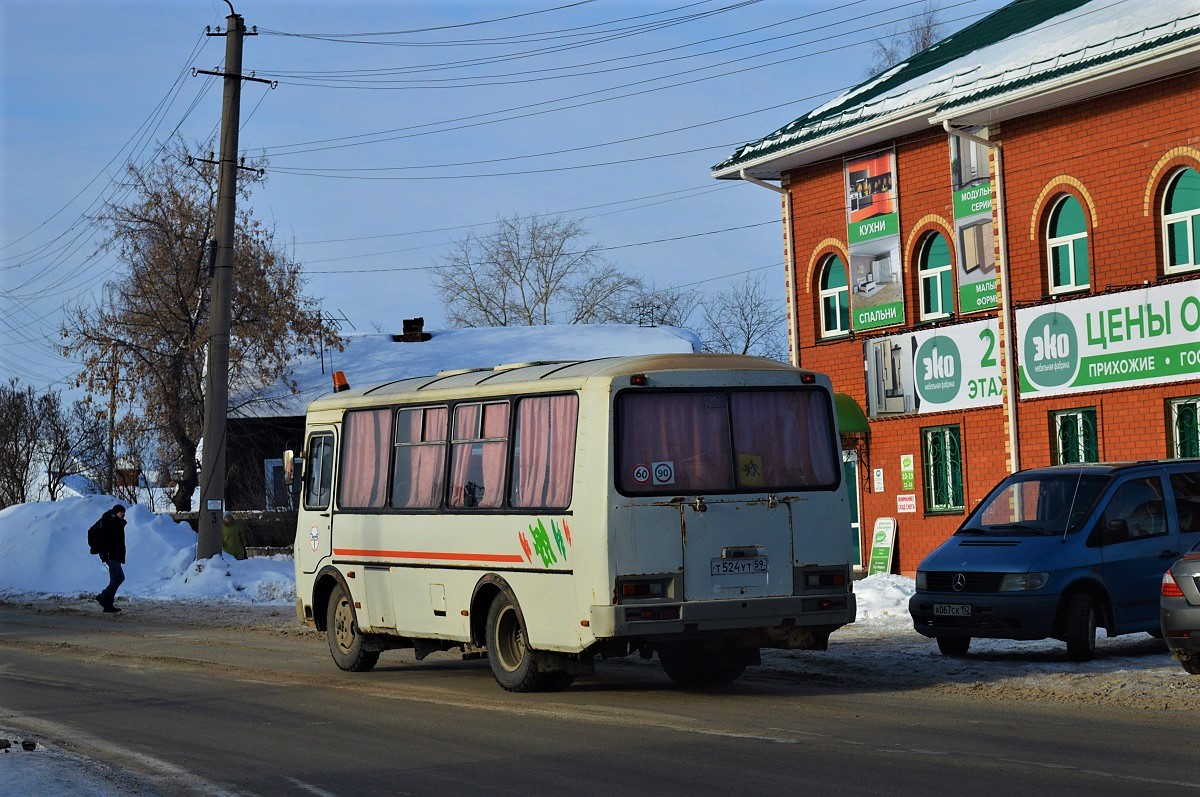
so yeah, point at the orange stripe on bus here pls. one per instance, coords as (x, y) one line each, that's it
(457, 557)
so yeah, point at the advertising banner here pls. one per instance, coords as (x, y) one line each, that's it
(873, 232)
(934, 370)
(973, 227)
(1139, 337)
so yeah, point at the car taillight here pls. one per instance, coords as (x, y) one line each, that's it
(1169, 588)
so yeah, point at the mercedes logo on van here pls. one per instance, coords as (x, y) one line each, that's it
(960, 582)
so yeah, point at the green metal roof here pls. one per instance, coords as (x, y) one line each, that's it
(956, 80)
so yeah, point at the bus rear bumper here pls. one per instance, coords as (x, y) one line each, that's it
(780, 622)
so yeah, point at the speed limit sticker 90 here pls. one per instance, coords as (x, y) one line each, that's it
(641, 474)
(663, 472)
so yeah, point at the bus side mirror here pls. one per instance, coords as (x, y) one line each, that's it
(293, 471)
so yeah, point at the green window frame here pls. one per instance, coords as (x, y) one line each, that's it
(835, 298)
(1074, 437)
(941, 450)
(1181, 223)
(937, 278)
(1067, 247)
(1185, 426)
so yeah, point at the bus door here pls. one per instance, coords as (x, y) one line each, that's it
(314, 537)
(736, 548)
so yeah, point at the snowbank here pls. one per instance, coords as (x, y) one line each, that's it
(44, 552)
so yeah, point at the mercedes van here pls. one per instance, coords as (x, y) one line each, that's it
(1059, 552)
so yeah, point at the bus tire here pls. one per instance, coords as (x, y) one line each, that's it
(346, 642)
(689, 664)
(516, 666)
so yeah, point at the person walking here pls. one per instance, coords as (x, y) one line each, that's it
(109, 544)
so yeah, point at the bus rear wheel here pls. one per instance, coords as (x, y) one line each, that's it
(346, 642)
(516, 666)
(690, 664)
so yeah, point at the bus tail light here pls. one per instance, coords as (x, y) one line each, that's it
(640, 588)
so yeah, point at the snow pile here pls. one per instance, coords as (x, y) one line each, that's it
(44, 552)
(883, 601)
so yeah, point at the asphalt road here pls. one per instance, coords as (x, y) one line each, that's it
(259, 708)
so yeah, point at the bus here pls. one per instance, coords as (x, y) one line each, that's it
(689, 506)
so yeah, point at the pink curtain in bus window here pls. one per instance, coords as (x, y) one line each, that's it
(421, 465)
(781, 439)
(495, 425)
(466, 421)
(545, 461)
(688, 430)
(365, 457)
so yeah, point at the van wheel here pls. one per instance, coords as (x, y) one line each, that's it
(345, 640)
(1190, 664)
(689, 664)
(1081, 627)
(516, 666)
(955, 646)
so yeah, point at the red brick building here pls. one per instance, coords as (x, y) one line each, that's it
(994, 250)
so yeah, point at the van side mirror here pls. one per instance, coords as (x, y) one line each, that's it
(1114, 531)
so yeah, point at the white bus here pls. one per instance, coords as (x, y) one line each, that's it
(541, 514)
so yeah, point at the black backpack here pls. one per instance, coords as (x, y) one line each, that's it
(94, 535)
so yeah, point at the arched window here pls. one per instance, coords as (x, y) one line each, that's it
(1066, 246)
(1181, 222)
(937, 278)
(835, 298)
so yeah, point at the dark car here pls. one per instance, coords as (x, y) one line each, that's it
(1180, 608)
(1059, 552)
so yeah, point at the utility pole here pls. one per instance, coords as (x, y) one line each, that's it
(216, 395)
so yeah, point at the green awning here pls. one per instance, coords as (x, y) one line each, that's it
(851, 418)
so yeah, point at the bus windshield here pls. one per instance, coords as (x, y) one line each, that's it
(714, 441)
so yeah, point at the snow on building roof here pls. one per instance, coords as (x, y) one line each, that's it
(1027, 47)
(376, 358)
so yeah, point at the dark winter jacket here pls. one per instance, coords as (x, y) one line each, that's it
(110, 544)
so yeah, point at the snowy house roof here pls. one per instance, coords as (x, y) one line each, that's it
(376, 358)
(1028, 56)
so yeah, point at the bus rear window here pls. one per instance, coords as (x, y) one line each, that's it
(725, 441)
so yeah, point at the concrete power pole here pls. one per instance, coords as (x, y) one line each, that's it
(216, 396)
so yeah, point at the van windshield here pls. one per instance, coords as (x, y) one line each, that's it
(1037, 504)
(723, 441)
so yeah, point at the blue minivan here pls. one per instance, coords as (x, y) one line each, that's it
(1058, 552)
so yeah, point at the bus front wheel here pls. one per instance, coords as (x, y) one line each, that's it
(345, 640)
(516, 666)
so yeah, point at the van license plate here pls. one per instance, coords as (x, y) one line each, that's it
(750, 564)
(952, 609)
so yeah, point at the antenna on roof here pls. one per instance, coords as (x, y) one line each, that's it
(336, 322)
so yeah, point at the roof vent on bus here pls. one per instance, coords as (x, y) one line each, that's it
(339, 382)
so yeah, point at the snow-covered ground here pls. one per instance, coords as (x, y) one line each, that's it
(44, 558)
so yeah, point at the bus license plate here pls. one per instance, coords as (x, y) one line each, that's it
(752, 564)
(952, 609)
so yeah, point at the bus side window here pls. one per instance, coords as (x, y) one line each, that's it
(544, 452)
(478, 455)
(319, 471)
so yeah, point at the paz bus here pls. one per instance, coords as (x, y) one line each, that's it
(688, 506)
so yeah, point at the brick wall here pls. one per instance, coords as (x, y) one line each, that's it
(1115, 155)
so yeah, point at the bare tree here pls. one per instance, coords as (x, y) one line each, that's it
(532, 270)
(746, 320)
(73, 441)
(148, 340)
(20, 436)
(899, 42)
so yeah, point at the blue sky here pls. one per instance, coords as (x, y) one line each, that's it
(88, 87)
